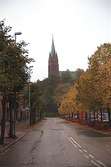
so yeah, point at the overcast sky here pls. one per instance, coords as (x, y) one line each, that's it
(78, 27)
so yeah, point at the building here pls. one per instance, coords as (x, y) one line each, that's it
(53, 65)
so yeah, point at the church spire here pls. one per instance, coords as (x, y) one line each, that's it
(52, 47)
(53, 65)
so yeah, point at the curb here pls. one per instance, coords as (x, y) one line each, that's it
(12, 143)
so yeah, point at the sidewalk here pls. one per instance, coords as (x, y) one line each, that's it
(104, 131)
(21, 130)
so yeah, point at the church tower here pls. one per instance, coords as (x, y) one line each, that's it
(53, 65)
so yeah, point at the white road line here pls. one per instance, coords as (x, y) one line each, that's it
(75, 142)
(86, 156)
(72, 143)
(93, 162)
(80, 150)
(85, 150)
(101, 163)
(91, 156)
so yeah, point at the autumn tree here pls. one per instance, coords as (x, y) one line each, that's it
(99, 66)
(68, 104)
(94, 85)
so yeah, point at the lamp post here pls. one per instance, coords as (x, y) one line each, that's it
(29, 100)
(16, 33)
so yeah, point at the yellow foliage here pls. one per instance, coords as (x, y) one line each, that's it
(93, 90)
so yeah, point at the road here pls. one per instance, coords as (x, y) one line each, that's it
(55, 142)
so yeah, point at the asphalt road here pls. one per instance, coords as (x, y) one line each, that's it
(57, 143)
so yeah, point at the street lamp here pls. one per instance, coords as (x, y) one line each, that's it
(16, 33)
(29, 100)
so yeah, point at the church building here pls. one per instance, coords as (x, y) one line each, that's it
(53, 65)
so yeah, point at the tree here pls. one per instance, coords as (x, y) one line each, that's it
(66, 76)
(68, 104)
(36, 103)
(14, 71)
(94, 85)
(100, 67)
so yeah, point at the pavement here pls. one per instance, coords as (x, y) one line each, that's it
(99, 130)
(22, 129)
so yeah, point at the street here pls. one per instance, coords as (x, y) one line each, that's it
(55, 142)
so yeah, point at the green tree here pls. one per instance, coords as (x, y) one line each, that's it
(14, 71)
(66, 76)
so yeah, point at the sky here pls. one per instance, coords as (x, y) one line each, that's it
(78, 27)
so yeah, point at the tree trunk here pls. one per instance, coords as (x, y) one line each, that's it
(72, 116)
(77, 114)
(14, 114)
(3, 121)
(94, 116)
(85, 116)
(101, 114)
(109, 116)
(12, 108)
(11, 134)
(97, 116)
(89, 117)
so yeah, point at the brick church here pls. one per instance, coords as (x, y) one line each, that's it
(53, 65)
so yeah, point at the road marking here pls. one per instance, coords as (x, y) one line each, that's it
(93, 162)
(75, 142)
(72, 143)
(91, 156)
(85, 150)
(101, 163)
(80, 150)
(86, 156)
